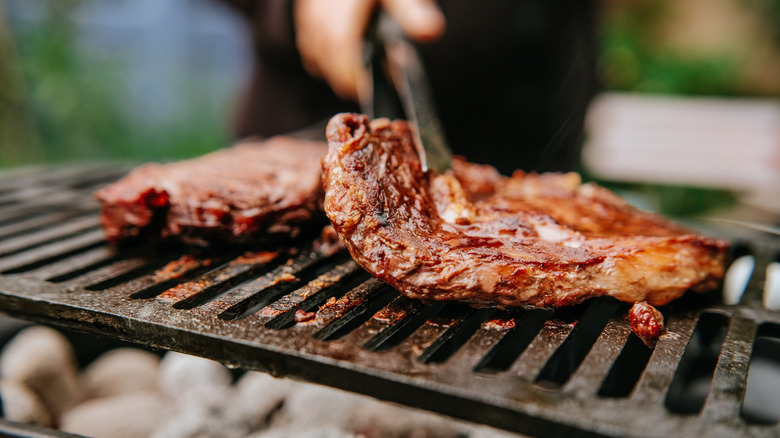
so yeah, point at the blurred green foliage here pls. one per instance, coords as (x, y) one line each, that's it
(77, 98)
(672, 200)
(770, 10)
(634, 56)
(631, 59)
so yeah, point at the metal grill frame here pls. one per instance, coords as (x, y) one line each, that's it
(330, 351)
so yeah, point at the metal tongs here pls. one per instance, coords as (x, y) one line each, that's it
(399, 80)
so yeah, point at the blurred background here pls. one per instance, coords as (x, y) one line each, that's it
(687, 121)
(120, 79)
(689, 115)
(689, 112)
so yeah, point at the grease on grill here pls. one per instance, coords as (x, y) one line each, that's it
(270, 311)
(256, 257)
(284, 277)
(179, 267)
(302, 316)
(338, 306)
(300, 296)
(233, 272)
(501, 322)
(390, 314)
(191, 288)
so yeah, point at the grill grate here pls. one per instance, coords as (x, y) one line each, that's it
(317, 316)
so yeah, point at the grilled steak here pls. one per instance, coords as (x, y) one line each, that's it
(473, 235)
(249, 192)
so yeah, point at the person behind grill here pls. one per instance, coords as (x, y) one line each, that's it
(511, 79)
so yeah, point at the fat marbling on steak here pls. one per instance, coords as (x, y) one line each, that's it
(252, 191)
(475, 236)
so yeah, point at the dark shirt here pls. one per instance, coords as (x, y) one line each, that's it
(511, 79)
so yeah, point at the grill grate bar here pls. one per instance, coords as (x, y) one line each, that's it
(343, 277)
(356, 325)
(400, 319)
(53, 176)
(182, 273)
(754, 291)
(547, 341)
(12, 216)
(527, 325)
(248, 298)
(40, 222)
(18, 196)
(568, 357)
(68, 189)
(104, 263)
(202, 289)
(74, 266)
(53, 251)
(131, 265)
(354, 308)
(63, 231)
(58, 184)
(476, 347)
(167, 267)
(588, 377)
(729, 382)
(626, 369)
(425, 335)
(461, 331)
(660, 369)
(93, 181)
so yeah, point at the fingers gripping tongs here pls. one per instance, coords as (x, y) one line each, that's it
(400, 89)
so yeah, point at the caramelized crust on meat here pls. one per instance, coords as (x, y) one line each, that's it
(244, 193)
(473, 235)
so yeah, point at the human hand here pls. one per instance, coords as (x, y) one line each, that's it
(329, 36)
